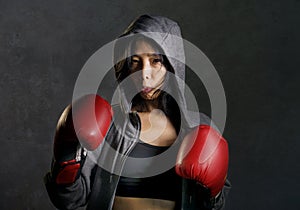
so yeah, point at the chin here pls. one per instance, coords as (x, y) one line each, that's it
(151, 96)
(145, 96)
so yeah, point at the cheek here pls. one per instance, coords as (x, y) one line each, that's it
(135, 77)
(160, 76)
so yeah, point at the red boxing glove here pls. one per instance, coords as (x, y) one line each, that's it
(92, 116)
(203, 156)
(83, 125)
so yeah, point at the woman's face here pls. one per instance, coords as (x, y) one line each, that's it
(152, 71)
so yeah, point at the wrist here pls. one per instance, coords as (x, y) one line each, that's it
(205, 193)
(68, 171)
(218, 195)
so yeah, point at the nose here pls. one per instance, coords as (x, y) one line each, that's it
(146, 71)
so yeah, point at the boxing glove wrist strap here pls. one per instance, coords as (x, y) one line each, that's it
(66, 172)
(204, 192)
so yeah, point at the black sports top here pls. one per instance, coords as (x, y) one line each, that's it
(165, 186)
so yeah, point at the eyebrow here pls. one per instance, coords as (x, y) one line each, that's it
(148, 54)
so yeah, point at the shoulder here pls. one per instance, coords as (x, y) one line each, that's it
(199, 118)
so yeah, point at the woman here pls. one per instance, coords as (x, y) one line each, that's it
(142, 133)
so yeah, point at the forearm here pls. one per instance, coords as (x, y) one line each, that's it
(219, 201)
(74, 195)
(197, 197)
(66, 197)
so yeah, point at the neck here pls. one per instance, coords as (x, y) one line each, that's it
(146, 106)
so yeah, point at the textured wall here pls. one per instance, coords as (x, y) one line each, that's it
(254, 45)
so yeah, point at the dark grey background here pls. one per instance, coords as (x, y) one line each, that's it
(254, 46)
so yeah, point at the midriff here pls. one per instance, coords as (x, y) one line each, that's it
(130, 203)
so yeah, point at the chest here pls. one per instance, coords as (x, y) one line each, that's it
(156, 128)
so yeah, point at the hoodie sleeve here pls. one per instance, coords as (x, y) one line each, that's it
(74, 195)
(196, 197)
(219, 202)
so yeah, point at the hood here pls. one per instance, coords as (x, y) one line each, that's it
(167, 34)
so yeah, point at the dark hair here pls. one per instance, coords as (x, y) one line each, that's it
(164, 101)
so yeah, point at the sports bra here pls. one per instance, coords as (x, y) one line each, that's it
(166, 186)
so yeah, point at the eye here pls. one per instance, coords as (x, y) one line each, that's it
(134, 63)
(157, 60)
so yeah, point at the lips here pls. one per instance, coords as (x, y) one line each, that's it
(146, 89)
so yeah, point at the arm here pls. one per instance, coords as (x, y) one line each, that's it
(81, 127)
(203, 162)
